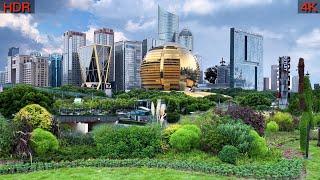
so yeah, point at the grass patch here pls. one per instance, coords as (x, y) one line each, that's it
(112, 173)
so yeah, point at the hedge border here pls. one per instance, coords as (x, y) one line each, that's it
(284, 169)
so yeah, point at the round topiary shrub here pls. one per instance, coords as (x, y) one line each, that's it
(259, 145)
(185, 139)
(35, 116)
(166, 133)
(229, 154)
(173, 117)
(272, 126)
(43, 142)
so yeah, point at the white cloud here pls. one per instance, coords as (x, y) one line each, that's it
(137, 26)
(119, 36)
(90, 34)
(29, 29)
(204, 7)
(310, 40)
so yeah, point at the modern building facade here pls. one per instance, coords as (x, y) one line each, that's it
(274, 77)
(148, 44)
(55, 70)
(246, 60)
(71, 66)
(168, 26)
(186, 39)
(105, 36)
(316, 86)
(169, 67)
(266, 82)
(284, 81)
(223, 74)
(95, 64)
(128, 58)
(2, 77)
(13, 51)
(28, 69)
(295, 84)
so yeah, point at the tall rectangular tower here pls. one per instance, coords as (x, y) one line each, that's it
(246, 60)
(274, 77)
(168, 26)
(105, 36)
(71, 66)
(128, 57)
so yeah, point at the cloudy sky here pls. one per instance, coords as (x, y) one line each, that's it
(285, 32)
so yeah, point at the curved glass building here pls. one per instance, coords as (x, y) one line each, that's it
(168, 26)
(169, 67)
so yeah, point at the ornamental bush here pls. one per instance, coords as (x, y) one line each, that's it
(173, 117)
(6, 137)
(34, 116)
(248, 116)
(219, 132)
(272, 126)
(229, 154)
(185, 138)
(166, 133)
(43, 142)
(259, 146)
(305, 119)
(127, 142)
(284, 120)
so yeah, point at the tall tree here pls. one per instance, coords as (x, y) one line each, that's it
(211, 74)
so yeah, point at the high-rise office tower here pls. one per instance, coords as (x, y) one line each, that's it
(55, 70)
(2, 77)
(186, 39)
(29, 70)
(266, 85)
(274, 77)
(168, 26)
(71, 66)
(128, 57)
(148, 44)
(223, 73)
(13, 51)
(94, 63)
(295, 84)
(284, 81)
(105, 36)
(246, 60)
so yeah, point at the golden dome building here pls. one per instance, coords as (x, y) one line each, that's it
(169, 67)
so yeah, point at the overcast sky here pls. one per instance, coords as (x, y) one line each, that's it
(285, 32)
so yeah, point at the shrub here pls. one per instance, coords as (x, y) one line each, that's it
(272, 126)
(76, 139)
(229, 154)
(248, 116)
(316, 120)
(6, 137)
(35, 116)
(166, 133)
(127, 142)
(284, 120)
(173, 117)
(225, 131)
(185, 138)
(43, 142)
(259, 145)
(255, 101)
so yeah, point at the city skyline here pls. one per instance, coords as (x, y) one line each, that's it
(43, 32)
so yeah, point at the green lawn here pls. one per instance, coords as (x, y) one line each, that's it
(112, 173)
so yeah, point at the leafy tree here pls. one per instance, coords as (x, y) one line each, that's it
(34, 116)
(43, 142)
(13, 99)
(6, 137)
(211, 74)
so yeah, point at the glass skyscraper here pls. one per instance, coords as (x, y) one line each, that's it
(128, 57)
(71, 66)
(168, 26)
(246, 60)
(55, 70)
(186, 39)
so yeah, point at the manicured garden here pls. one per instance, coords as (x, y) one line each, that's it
(245, 138)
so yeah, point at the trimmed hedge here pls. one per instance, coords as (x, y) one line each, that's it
(284, 169)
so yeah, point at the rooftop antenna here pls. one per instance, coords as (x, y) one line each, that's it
(222, 62)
